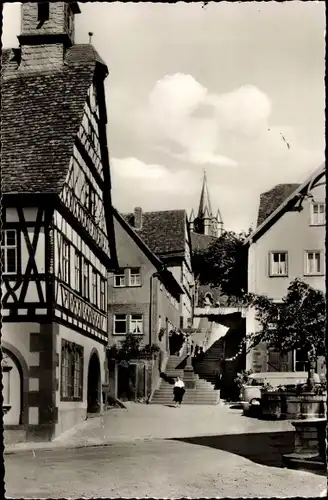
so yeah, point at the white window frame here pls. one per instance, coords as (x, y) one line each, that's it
(121, 283)
(77, 376)
(77, 271)
(116, 319)
(305, 369)
(65, 261)
(134, 277)
(307, 271)
(102, 298)
(318, 218)
(94, 287)
(4, 250)
(86, 279)
(271, 263)
(136, 323)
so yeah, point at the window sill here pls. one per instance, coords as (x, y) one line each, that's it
(278, 275)
(134, 286)
(313, 275)
(317, 225)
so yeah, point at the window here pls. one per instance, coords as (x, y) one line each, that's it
(77, 376)
(318, 214)
(71, 371)
(66, 261)
(94, 286)
(43, 11)
(135, 279)
(278, 264)
(300, 361)
(102, 294)
(136, 324)
(120, 324)
(313, 263)
(119, 278)
(9, 251)
(86, 282)
(90, 198)
(77, 271)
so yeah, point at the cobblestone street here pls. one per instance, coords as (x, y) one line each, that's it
(192, 451)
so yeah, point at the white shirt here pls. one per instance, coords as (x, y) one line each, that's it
(179, 383)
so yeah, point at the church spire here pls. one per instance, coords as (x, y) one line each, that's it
(205, 222)
(205, 209)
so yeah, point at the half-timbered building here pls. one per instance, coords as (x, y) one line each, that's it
(57, 240)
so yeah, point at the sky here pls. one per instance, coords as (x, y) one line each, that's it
(236, 89)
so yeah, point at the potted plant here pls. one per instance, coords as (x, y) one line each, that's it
(297, 323)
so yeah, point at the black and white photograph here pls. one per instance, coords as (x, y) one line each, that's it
(163, 260)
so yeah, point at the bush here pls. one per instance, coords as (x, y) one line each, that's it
(131, 348)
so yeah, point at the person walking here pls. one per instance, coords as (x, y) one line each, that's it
(178, 392)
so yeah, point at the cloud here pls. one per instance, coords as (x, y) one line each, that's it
(182, 110)
(202, 157)
(149, 185)
(173, 108)
(155, 187)
(246, 109)
(231, 129)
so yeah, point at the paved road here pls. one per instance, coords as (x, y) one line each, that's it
(156, 468)
(157, 451)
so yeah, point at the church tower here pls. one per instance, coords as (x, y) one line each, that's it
(47, 30)
(205, 222)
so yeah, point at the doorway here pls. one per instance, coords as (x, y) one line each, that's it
(94, 389)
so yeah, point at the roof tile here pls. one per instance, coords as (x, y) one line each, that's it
(270, 200)
(163, 231)
(40, 117)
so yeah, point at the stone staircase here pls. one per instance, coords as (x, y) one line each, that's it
(203, 394)
(208, 366)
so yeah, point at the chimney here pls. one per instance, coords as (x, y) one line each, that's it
(137, 218)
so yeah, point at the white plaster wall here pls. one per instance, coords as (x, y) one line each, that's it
(17, 334)
(71, 413)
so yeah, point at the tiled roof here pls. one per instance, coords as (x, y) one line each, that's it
(201, 241)
(40, 117)
(163, 231)
(270, 200)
